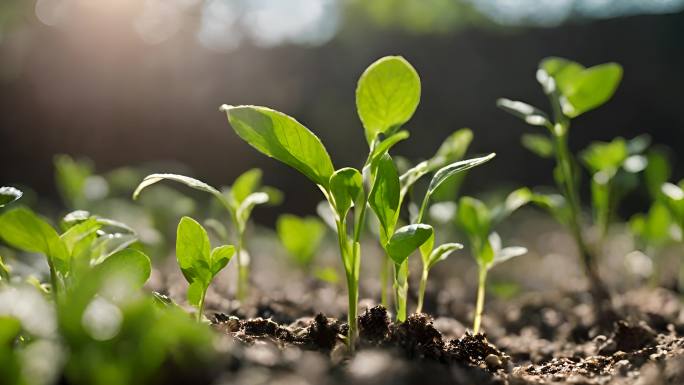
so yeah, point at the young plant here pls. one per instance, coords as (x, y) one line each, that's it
(238, 200)
(572, 90)
(301, 237)
(477, 222)
(613, 167)
(81, 249)
(198, 261)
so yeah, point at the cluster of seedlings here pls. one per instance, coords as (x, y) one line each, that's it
(97, 267)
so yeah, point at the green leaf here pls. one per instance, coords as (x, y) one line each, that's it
(71, 177)
(79, 232)
(384, 197)
(448, 171)
(658, 172)
(442, 252)
(346, 185)
(245, 209)
(452, 149)
(515, 200)
(190, 182)
(193, 251)
(300, 236)
(406, 240)
(530, 114)
(674, 199)
(502, 255)
(24, 230)
(383, 147)
(245, 184)
(582, 89)
(605, 156)
(541, 145)
(283, 138)
(129, 264)
(474, 219)
(654, 227)
(387, 95)
(195, 292)
(4, 272)
(412, 175)
(220, 257)
(9, 195)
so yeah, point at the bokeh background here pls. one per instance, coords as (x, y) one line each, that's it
(128, 82)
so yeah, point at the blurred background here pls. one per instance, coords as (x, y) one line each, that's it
(129, 82)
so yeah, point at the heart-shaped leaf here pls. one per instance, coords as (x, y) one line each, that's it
(387, 95)
(283, 138)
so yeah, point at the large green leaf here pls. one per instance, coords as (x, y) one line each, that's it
(23, 229)
(387, 95)
(283, 138)
(346, 185)
(8, 195)
(406, 240)
(384, 198)
(129, 264)
(582, 89)
(300, 236)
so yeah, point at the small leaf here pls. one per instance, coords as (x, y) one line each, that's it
(245, 184)
(475, 219)
(657, 172)
(193, 251)
(507, 253)
(530, 114)
(245, 209)
(220, 257)
(412, 175)
(387, 95)
(384, 196)
(79, 232)
(406, 240)
(300, 236)
(190, 182)
(605, 156)
(195, 292)
(452, 149)
(9, 195)
(346, 185)
(383, 147)
(283, 138)
(24, 230)
(442, 252)
(448, 171)
(515, 200)
(129, 264)
(541, 145)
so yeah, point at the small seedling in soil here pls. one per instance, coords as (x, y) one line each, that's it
(301, 237)
(572, 90)
(477, 222)
(83, 248)
(198, 261)
(239, 200)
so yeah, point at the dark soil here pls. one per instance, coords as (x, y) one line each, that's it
(534, 340)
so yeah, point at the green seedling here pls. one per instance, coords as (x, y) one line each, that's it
(572, 90)
(613, 167)
(387, 95)
(477, 222)
(198, 261)
(82, 247)
(9, 195)
(301, 237)
(238, 200)
(77, 182)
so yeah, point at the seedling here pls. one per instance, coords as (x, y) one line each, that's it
(198, 261)
(477, 222)
(82, 249)
(239, 200)
(301, 237)
(613, 167)
(9, 195)
(572, 90)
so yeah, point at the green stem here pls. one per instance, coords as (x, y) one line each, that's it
(349, 263)
(243, 268)
(400, 290)
(421, 290)
(385, 272)
(479, 305)
(200, 308)
(53, 280)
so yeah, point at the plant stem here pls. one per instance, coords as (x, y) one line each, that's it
(243, 268)
(400, 290)
(385, 270)
(479, 305)
(200, 308)
(349, 262)
(421, 290)
(53, 280)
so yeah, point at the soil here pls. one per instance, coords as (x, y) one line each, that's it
(536, 339)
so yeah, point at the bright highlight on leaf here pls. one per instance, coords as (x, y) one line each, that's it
(9, 195)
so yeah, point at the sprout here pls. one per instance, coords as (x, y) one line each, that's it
(301, 237)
